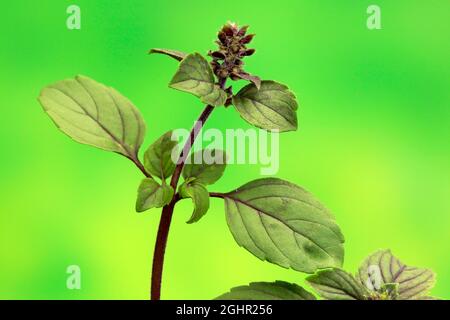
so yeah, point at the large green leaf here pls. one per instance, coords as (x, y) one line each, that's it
(272, 107)
(336, 284)
(158, 157)
(282, 223)
(177, 55)
(209, 170)
(200, 198)
(94, 114)
(153, 195)
(195, 76)
(383, 267)
(278, 290)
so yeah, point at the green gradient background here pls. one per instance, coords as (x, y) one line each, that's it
(373, 143)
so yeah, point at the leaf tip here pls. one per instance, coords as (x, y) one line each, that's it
(139, 208)
(81, 77)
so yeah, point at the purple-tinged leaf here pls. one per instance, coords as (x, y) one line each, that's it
(254, 79)
(177, 55)
(383, 267)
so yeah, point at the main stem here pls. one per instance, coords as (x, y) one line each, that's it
(167, 212)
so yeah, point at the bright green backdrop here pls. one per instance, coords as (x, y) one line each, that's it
(373, 143)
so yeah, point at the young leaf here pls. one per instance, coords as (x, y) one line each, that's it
(153, 195)
(282, 223)
(200, 198)
(158, 157)
(205, 173)
(382, 268)
(177, 55)
(249, 77)
(389, 290)
(94, 114)
(336, 284)
(278, 290)
(272, 107)
(195, 76)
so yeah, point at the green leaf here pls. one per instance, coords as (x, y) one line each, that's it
(209, 170)
(200, 198)
(153, 195)
(94, 114)
(272, 107)
(195, 76)
(158, 157)
(383, 267)
(278, 290)
(177, 55)
(282, 223)
(336, 284)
